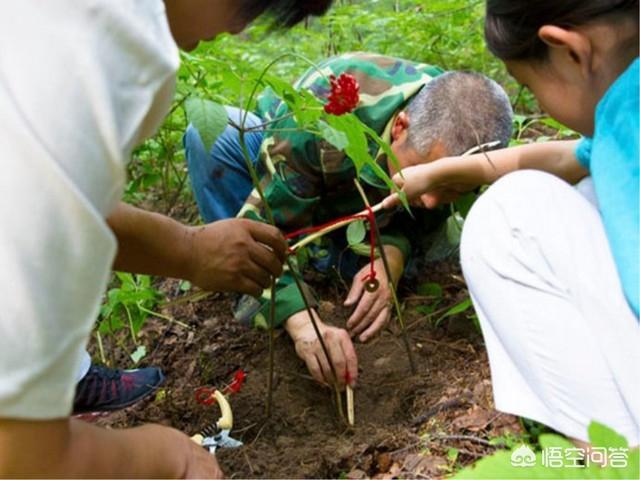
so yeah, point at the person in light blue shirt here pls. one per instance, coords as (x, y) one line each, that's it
(611, 156)
(551, 251)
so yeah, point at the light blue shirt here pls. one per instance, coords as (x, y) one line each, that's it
(613, 159)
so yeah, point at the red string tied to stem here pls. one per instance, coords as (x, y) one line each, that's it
(371, 283)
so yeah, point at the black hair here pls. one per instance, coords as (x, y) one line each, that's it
(284, 13)
(511, 26)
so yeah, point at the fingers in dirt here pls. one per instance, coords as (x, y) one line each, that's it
(333, 341)
(379, 323)
(366, 303)
(357, 288)
(313, 365)
(371, 316)
(327, 376)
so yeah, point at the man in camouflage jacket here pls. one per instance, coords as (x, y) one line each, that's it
(420, 112)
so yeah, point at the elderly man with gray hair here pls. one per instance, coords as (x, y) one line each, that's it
(423, 113)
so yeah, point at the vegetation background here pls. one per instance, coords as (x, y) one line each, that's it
(447, 33)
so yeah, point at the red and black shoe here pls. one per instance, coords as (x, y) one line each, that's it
(105, 389)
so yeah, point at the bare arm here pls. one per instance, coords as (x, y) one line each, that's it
(439, 181)
(557, 158)
(150, 243)
(234, 254)
(72, 448)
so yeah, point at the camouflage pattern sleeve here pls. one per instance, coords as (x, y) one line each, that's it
(307, 181)
(292, 202)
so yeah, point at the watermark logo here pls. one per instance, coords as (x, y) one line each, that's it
(559, 457)
(523, 457)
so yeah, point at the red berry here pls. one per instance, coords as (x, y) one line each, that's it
(344, 96)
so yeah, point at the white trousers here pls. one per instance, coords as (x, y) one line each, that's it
(563, 343)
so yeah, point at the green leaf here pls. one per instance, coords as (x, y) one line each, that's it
(551, 440)
(356, 232)
(602, 436)
(364, 250)
(302, 256)
(500, 464)
(357, 149)
(139, 354)
(209, 118)
(464, 203)
(455, 310)
(428, 309)
(430, 290)
(454, 229)
(305, 106)
(335, 137)
(452, 454)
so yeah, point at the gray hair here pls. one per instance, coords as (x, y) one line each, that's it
(461, 110)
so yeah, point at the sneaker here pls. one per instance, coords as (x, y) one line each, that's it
(107, 389)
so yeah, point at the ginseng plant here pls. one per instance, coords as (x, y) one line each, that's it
(331, 121)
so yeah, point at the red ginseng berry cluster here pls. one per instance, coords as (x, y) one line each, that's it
(344, 94)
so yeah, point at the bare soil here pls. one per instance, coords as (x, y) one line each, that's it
(406, 424)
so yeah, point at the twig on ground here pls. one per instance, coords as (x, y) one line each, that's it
(246, 457)
(194, 297)
(452, 346)
(449, 404)
(461, 438)
(407, 448)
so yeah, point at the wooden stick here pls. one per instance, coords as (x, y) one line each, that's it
(351, 417)
(320, 233)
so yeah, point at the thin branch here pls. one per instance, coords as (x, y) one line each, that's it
(468, 438)
(294, 274)
(392, 287)
(272, 316)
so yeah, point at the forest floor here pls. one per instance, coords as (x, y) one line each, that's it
(423, 425)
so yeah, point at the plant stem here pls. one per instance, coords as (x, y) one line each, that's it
(336, 390)
(264, 72)
(256, 182)
(272, 316)
(164, 317)
(392, 287)
(131, 329)
(294, 274)
(101, 348)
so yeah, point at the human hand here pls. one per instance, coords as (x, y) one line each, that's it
(200, 463)
(373, 309)
(338, 343)
(237, 255)
(428, 185)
